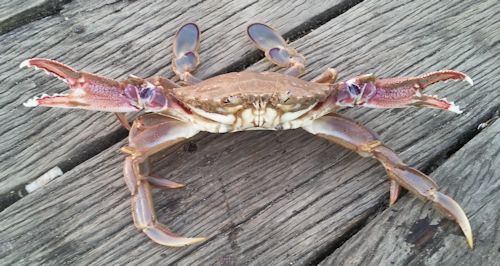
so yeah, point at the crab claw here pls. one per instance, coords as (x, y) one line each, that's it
(400, 92)
(93, 92)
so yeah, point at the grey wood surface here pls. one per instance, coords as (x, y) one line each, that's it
(16, 13)
(277, 197)
(113, 38)
(410, 233)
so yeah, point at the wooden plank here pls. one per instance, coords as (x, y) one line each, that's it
(273, 197)
(16, 13)
(411, 234)
(114, 39)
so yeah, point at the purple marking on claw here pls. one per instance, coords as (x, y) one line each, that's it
(131, 92)
(152, 99)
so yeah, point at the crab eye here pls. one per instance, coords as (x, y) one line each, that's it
(226, 100)
(353, 89)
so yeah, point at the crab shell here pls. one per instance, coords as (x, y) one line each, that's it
(251, 100)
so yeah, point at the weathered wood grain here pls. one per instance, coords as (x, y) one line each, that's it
(15, 13)
(113, 38)
(410, 233)
(276, 197)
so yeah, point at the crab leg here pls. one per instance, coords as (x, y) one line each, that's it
(328, 76)
(186, 57)
(122, 118)
(148, 135)
(367, 90)
(352, 135)
(276, 49)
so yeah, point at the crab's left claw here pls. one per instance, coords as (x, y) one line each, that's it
(93, 92)
(368, 91)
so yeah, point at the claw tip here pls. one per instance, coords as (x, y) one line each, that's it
(25, 63)
(199, 239)
(469, 80)
(454, 108)
(31, 103)
(470, 241)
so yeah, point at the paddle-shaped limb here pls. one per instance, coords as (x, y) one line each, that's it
(352, 135)
(276, 49)
(149, 134)
(186, 57)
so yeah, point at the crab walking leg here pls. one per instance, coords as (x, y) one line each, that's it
(186, 57)
(158, 182)
(122, 118)
(352, 135)
(328, 76)
(276, 49)
(145, 141)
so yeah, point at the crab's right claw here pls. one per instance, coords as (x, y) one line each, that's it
(93, 92)
(276, 49)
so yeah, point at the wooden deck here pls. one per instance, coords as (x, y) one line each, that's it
(262, 198)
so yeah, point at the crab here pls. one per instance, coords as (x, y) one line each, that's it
(175, 111)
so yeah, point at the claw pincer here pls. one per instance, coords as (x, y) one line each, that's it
(368, 91)
(93, 92)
